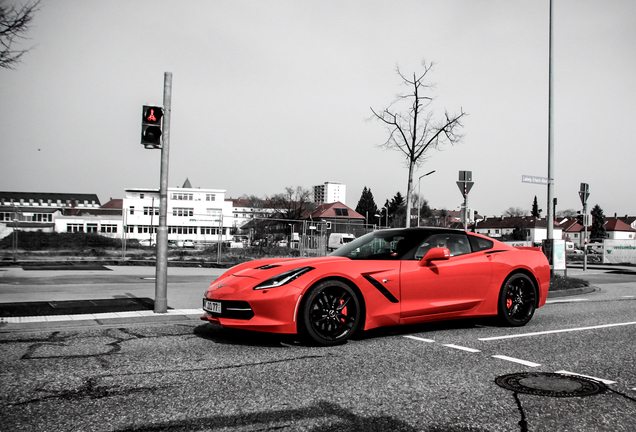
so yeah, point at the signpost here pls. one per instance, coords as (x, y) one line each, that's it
(465, 184)
(550, 249)
(584, 193)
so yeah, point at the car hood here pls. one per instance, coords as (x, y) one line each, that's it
(246, 275)
(267, 268)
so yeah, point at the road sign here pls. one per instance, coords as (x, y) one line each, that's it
(465, 187)
(584, 193)
(465, 176)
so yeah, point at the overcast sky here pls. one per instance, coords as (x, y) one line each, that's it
(269, 94)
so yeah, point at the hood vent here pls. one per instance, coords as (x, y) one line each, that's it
(267, 267)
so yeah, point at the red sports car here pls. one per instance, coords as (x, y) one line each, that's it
(384, 278)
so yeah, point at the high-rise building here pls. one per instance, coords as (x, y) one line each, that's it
(330, 192)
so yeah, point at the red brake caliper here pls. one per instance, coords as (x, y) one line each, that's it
(508, 303)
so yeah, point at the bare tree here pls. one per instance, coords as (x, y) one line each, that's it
(292, 204)
(14, 23)
(515, 212)
(413, 128)
(569, 213)
(440, 218)
(258, 205)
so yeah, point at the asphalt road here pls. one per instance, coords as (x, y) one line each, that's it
(182, 374)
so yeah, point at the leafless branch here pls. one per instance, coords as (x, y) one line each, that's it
(14, 23)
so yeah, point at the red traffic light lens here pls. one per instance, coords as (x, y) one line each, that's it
(152, 115)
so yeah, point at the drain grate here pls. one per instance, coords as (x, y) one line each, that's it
(550, 384)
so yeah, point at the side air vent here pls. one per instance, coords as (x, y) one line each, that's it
(385, 292)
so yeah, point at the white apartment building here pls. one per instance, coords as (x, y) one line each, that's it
(40, 211)
(200, 215)
(330, 192)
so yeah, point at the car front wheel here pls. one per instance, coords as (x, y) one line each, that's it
(517, 300)
(330, 313)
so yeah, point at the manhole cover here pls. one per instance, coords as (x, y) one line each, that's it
(550, 384)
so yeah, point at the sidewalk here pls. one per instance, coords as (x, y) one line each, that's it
(106, 293)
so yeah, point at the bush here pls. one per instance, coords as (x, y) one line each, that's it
(558, 282)
(38, 240)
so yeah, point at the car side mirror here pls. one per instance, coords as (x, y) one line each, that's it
(435, 254)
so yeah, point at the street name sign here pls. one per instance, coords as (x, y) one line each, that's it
(534, 179)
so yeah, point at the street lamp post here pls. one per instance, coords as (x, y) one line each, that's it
(419, 195)
(379, 216)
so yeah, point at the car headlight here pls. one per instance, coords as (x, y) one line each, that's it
(283, 278)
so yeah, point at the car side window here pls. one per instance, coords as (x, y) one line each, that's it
(457, 244)
(382, 249)
(479, 244)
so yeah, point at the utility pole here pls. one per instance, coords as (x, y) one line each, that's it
(161, 276)
(550, 221)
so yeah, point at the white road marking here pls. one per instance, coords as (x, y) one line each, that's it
(526, 362)
(516, 360)
(420, 339)
(462, 348)
(557, 331)
(604, 381)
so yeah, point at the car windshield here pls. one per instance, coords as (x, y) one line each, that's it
(383, 245)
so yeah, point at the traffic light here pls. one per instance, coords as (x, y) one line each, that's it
(151, 126)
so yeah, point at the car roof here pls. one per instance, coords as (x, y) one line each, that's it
(420, 229)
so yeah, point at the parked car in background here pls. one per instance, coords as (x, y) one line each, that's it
(337, 240)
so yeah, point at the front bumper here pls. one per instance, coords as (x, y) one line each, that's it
(273, 310)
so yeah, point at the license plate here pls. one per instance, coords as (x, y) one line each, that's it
(212, 306)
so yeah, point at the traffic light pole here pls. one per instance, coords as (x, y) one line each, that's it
(161, 275)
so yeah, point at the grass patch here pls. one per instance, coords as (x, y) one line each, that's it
(558, 283)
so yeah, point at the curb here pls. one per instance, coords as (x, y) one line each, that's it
(145, 316)
(573, 292)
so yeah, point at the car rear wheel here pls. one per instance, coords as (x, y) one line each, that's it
(330, 313)
(517, 300)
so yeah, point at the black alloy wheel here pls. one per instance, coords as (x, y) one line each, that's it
(330, 313)
(517, 300)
